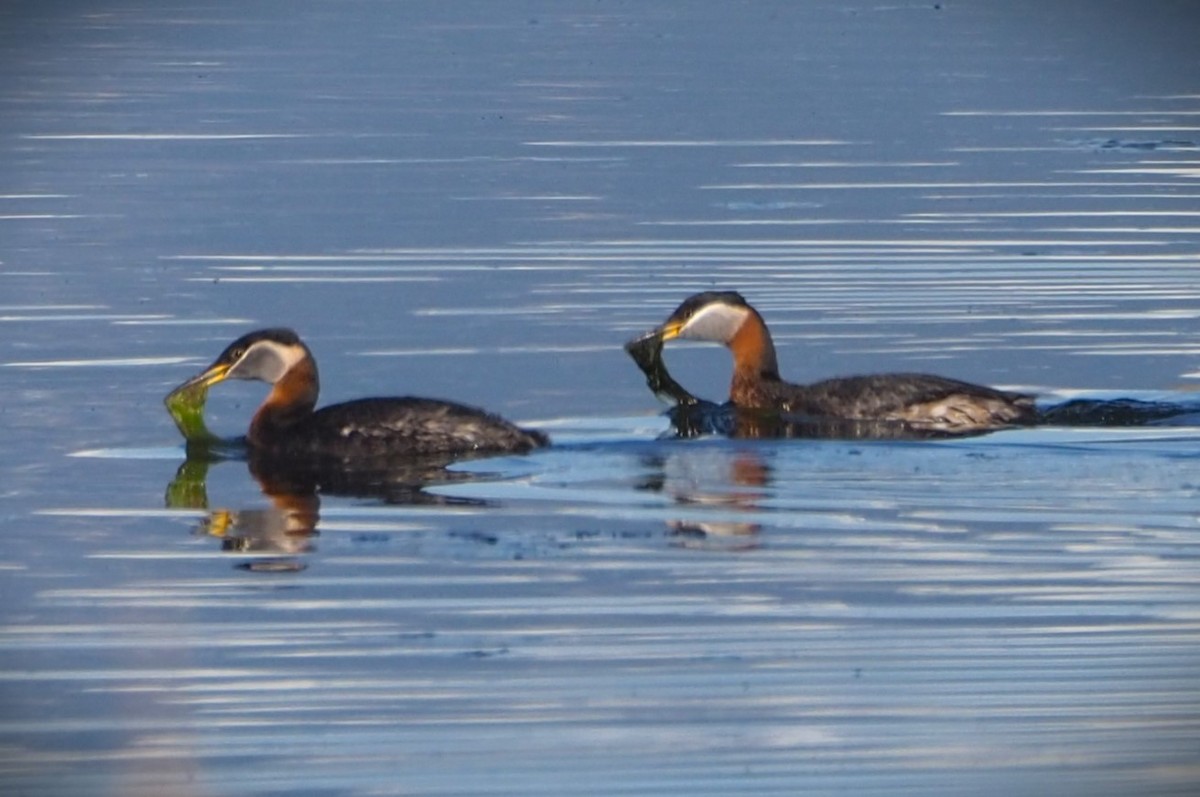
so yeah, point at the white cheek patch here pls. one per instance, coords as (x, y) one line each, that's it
(715, 322)
(267, 361)
(289, 358)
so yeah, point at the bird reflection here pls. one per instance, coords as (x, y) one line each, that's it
(283, 531)
(712, 480)
(286, 527)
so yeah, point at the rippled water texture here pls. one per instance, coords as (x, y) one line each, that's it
(483, 201)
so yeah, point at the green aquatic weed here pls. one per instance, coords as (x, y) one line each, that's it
(186, 405)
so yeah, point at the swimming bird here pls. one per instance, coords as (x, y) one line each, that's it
(920, 400)
(287, 424)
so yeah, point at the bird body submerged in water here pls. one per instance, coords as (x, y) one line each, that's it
(920, 400)
(287, 423)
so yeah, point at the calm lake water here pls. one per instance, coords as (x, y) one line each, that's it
(483, 201)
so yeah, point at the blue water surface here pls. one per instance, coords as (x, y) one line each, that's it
(483, 201)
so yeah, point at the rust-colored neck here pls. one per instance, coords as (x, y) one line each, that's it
(753, 360)
(291, 400)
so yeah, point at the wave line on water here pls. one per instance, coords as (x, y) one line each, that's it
(767, 142)
(157, 136)
(115, 362)
(315, 279)
(844, 164)
(142, 512)
(1022, 214)
(529, 198)
(363, 269)
(181, 322)
(24, 308)
(158, 452)
(1133, 128)
(940, 184)
(83, 317)
(37, 216)
(982, 112)
(545, 349)
(1179, 171)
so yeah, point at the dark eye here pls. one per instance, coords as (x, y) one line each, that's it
(237, 353)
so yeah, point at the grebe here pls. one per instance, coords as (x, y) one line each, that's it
(286, 424)
(920, 400)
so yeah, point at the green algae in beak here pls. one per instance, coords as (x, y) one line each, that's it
(646, 351)
(186, 405)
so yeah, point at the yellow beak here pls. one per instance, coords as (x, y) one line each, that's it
(671, 330)
(207, 378)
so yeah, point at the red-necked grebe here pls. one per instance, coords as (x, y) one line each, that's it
(921, 400)
(287, 423)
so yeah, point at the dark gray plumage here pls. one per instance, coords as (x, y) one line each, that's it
(288, 425)
(924, 400)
